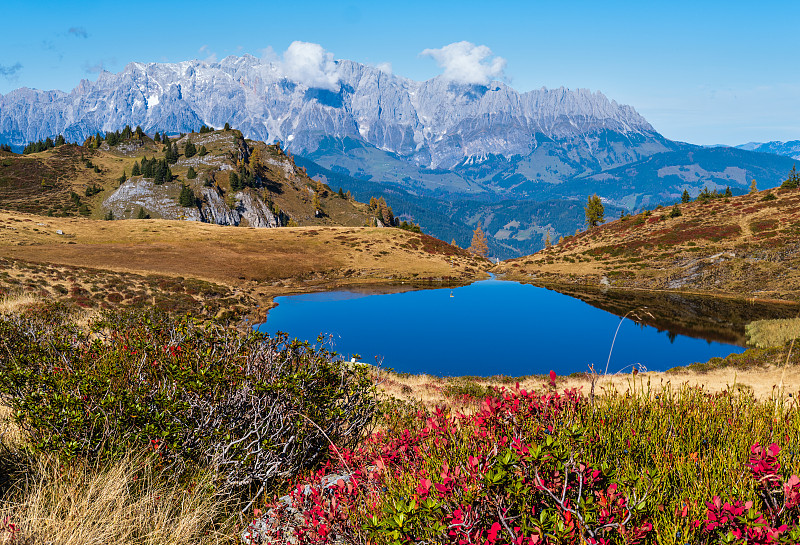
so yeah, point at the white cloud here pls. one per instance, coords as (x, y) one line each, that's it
(310, 65)
(385, 67)
(210, 56)
(465, 62)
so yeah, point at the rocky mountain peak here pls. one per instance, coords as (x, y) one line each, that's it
(436, 123)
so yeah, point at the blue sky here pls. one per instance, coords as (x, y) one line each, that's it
(702, 72)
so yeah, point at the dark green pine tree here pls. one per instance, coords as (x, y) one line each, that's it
(685, 197)
(189, 150)
(728, 192)
(157, 137)
(172, 156)
(793, 181)
(60, 140)
(162, 172)
(236, 184)
(135, 171)
(202, 152)
(142, 215)
(191, 174)
(186, 199)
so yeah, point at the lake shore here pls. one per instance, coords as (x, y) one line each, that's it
(771, 380)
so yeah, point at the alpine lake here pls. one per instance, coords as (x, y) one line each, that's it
(496, 327)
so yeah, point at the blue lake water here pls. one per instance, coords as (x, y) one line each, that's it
(488, 328)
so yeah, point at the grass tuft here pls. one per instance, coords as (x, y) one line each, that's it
(772, 333)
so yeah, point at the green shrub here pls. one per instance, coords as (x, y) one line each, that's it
(249, 406)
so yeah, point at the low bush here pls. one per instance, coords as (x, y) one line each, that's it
(651, 466)
(250, 407)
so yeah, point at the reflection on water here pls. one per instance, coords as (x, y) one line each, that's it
(702, 317)
(498, 327)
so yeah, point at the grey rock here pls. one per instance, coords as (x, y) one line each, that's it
(263, 529)
(141, 192)
(254, 211)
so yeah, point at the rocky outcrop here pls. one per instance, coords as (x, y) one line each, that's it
(161, 201)
(157, 200)
(215, 210)
(253, 211)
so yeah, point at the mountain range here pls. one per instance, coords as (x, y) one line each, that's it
(789, 149)
(460, 154)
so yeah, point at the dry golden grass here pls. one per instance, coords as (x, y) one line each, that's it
(764, 382)
(12, 303)
(270, 261)
(769, 333)
(125, 503)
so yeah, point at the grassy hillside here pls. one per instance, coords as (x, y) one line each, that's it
(744, 246)
(74, 180)
(252, 263)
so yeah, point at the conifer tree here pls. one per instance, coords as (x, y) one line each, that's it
(479, 246)
(157, 137)
(186, 198)
(135, 170)
(595, 211)
(236, 185)
(202, 151)
(685, 197)
(189, 150)
(142, 215)
(172, 156)
(753, 187)
(728, 192)
(793, 180)
(191, 174)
